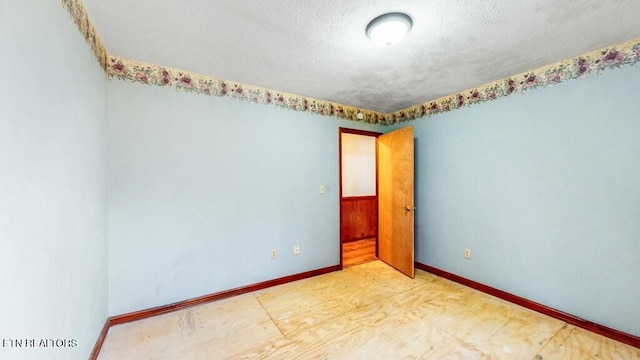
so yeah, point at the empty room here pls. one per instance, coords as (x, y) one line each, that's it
(320, 179)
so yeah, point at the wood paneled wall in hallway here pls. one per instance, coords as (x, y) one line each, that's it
(359, 218)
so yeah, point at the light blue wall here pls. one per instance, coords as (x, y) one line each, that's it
(544, 188)
(202, 188)
(53, 255)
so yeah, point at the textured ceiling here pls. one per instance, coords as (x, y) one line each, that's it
(319, 49)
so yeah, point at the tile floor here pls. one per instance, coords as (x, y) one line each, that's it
(369, 311)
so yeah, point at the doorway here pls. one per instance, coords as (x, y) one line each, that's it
(377, 210)
(358, 196)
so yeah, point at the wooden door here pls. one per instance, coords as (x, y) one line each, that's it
(396, 200)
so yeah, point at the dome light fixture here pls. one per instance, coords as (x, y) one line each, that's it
(388, 29)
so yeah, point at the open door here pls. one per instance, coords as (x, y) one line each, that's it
(396, 200)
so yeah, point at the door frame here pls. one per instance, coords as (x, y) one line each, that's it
(341, 131)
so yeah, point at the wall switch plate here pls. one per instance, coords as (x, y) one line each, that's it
(467, 254)
(274, 254)
(322, 189)
(296, 250)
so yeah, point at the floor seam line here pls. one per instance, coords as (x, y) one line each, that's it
(551, 338)
(270, 317)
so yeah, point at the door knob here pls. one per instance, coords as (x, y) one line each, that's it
(410, 208)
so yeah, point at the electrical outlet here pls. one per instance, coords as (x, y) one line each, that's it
(296, 250)
(467, 254)
(274, 254)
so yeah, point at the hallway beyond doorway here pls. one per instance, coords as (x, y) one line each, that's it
(358, 252)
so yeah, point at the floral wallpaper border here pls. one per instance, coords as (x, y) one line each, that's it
(627, 53)
(79, 14)
(137, 71)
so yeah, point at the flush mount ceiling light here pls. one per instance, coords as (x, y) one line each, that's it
(388, 29)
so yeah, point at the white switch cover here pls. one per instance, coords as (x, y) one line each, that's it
(321, 189)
